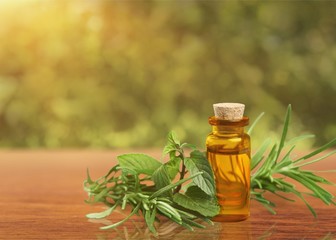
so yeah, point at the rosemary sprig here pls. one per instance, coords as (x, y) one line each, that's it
(279, 162)
(149, 187)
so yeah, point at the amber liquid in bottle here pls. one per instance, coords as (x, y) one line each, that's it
(228, 152)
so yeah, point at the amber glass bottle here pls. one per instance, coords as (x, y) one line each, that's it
(228, 151)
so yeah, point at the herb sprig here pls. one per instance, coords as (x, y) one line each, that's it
(183, 188)
(281, 164)
(150, 188)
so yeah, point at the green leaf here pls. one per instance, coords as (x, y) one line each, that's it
(88, 180)
(135, 210)
(266, 167)
(255, 122)
(197, 162)
(285, 130)
(173, 143)
(299, 138)
(150, 218)
(193, 223)
(197, 200)
(103, 214)
(259, 155)
(318, 159)
(173, 139)
(173, 167)
(140, 163)
(173, 185)
(161, 178)
(188, 145)
(330, 144)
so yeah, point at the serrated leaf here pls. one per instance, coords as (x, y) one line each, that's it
(169, 149)
(173, 167)
(173, 185)
(188, 145)
(197, 200)
(172, 137)
(139, 163)
(161, 179)
(172, 143)
(197, 162)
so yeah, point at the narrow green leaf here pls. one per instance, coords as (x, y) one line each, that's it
(171, 210)
(114, 169)
(316, 160)
(330, 144)
(140, 163)
(150, 218)
(88, 180)
(173, 185)
(284, 162)
(258, 156)
(270, 209)
(193, 223)
(311, 209)
(197, 162)
(135, 210)
(255, 123)
(186, 214)
(187, 226)
(317, 190)
(265, 169)
(101, 195)
(285, 130)
(103, 214)
(299, 138)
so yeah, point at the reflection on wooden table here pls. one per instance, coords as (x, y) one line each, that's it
(42, 197)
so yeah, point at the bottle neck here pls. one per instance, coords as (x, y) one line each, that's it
(228, 130)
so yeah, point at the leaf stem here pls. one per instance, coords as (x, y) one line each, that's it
(182, 173)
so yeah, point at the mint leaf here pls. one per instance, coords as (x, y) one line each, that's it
(173, 167)
(197, 162)
(161, 178)
(139, 163)
(197, 200)
(173, 143)
(188, 145)
(173, 185)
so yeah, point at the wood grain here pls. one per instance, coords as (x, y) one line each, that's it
(41, 197)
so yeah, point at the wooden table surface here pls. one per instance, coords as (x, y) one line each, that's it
(41, 197)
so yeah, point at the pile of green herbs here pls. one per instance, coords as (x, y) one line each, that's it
(182, 189)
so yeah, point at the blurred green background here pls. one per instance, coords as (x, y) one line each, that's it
(122, 74)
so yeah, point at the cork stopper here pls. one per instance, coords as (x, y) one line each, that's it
(229, 111)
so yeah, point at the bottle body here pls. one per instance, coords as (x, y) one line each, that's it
(228, 152)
